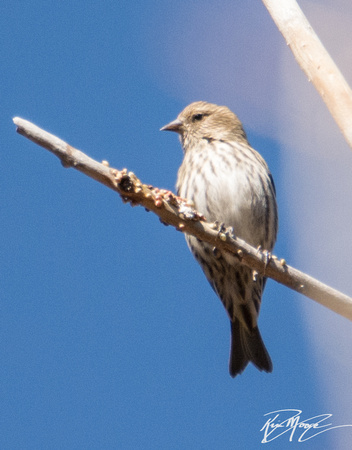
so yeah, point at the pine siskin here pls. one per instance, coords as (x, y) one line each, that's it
(229, 182)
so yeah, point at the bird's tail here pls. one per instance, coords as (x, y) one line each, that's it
(247, 347)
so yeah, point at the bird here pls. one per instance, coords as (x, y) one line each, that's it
(229, 183)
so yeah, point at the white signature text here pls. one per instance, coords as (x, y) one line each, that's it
(288, 421)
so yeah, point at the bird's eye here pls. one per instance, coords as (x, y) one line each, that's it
(197, 117)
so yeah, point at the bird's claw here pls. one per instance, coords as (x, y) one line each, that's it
(267, 257)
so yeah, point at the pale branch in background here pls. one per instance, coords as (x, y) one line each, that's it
(315, 61)
(179, 213)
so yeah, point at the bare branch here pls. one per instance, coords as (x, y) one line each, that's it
(177, 212)
(315, 61)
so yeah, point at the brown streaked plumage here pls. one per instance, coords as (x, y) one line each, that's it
(230, 182)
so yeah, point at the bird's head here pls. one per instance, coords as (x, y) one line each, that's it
(202, 120)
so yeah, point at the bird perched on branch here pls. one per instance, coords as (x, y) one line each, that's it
(229, 182)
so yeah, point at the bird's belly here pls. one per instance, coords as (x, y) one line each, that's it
(235, 205)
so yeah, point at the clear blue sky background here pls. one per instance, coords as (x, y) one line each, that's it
(110, 335)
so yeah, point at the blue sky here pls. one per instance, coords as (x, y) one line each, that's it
(110, 335)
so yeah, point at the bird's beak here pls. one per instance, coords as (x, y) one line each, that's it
(175, 125)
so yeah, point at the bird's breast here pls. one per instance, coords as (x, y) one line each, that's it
(228, 186)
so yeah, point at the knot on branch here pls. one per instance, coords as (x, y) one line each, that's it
(126, 184)
(67, 160)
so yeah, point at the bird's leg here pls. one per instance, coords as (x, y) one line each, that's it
(221, 227)
(222, 235)
(267, 258)
(230, 232)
